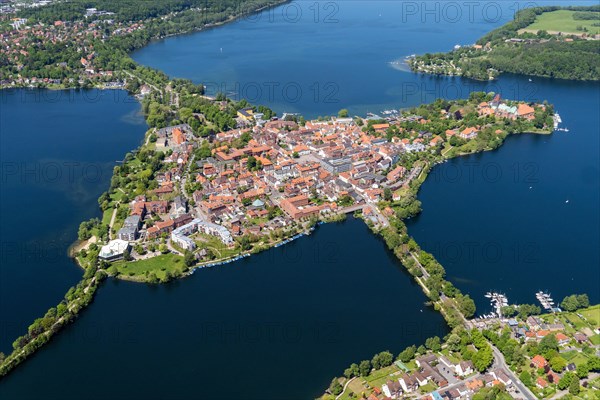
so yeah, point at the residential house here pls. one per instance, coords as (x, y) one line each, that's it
(539, 362)
(562, 338)
(408, 383)
(541, 383)
(468, 133)
(464, 368)
(581, 337)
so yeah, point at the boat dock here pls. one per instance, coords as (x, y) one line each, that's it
(497, 300)
(546, 301)
(557, 121)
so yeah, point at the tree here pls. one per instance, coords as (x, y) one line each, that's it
(453, 342)
(466, 305)
(566, 380)
(548, 343)
(152, 278)
(335, 387)
(525, 377)
(526, 310)
(575, 302)
(387, 194)
(364, 367)
(582, 370)
(593, 364)
(483, 358)
(343, 113)
(583, 300)
(381, 360)
(189, 259)
(407, 354)
(574, 387)
(352, 371)
(509, 311)
(558, 364)
(433, 343)
(569, 303)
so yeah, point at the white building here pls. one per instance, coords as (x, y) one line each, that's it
(180, 235)
(113, 250)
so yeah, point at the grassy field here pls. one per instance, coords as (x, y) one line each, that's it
(574, 356)
(159, 265)
(213, 243)
(592, 314)
(381, 376)
(562, 21)
(107, 215)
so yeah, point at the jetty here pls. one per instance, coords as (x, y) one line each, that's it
(546, 301)
(497, 300)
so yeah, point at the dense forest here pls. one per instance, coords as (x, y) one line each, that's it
(537, 54)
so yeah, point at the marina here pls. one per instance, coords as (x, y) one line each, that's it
(499, 300)
(546, 301)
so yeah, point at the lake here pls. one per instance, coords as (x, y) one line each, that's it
(284, 322)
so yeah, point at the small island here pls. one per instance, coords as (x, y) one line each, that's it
(553, 42)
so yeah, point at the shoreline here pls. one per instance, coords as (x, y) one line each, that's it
(214, 25)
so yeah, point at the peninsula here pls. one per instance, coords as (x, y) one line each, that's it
(553, 42)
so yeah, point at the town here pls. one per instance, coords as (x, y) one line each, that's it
(26, 45)
(217, 198)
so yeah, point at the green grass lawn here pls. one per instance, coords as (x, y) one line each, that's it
(381, 376)
(450, 357)
(562, 21)
(592, 315)
(117, 196)
(574, 356)
(106, 216)
(575, 320)
(213, 243)
(159, 265)
(428, 388)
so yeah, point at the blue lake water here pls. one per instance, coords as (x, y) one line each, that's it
(288, 320)
(57, 151)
